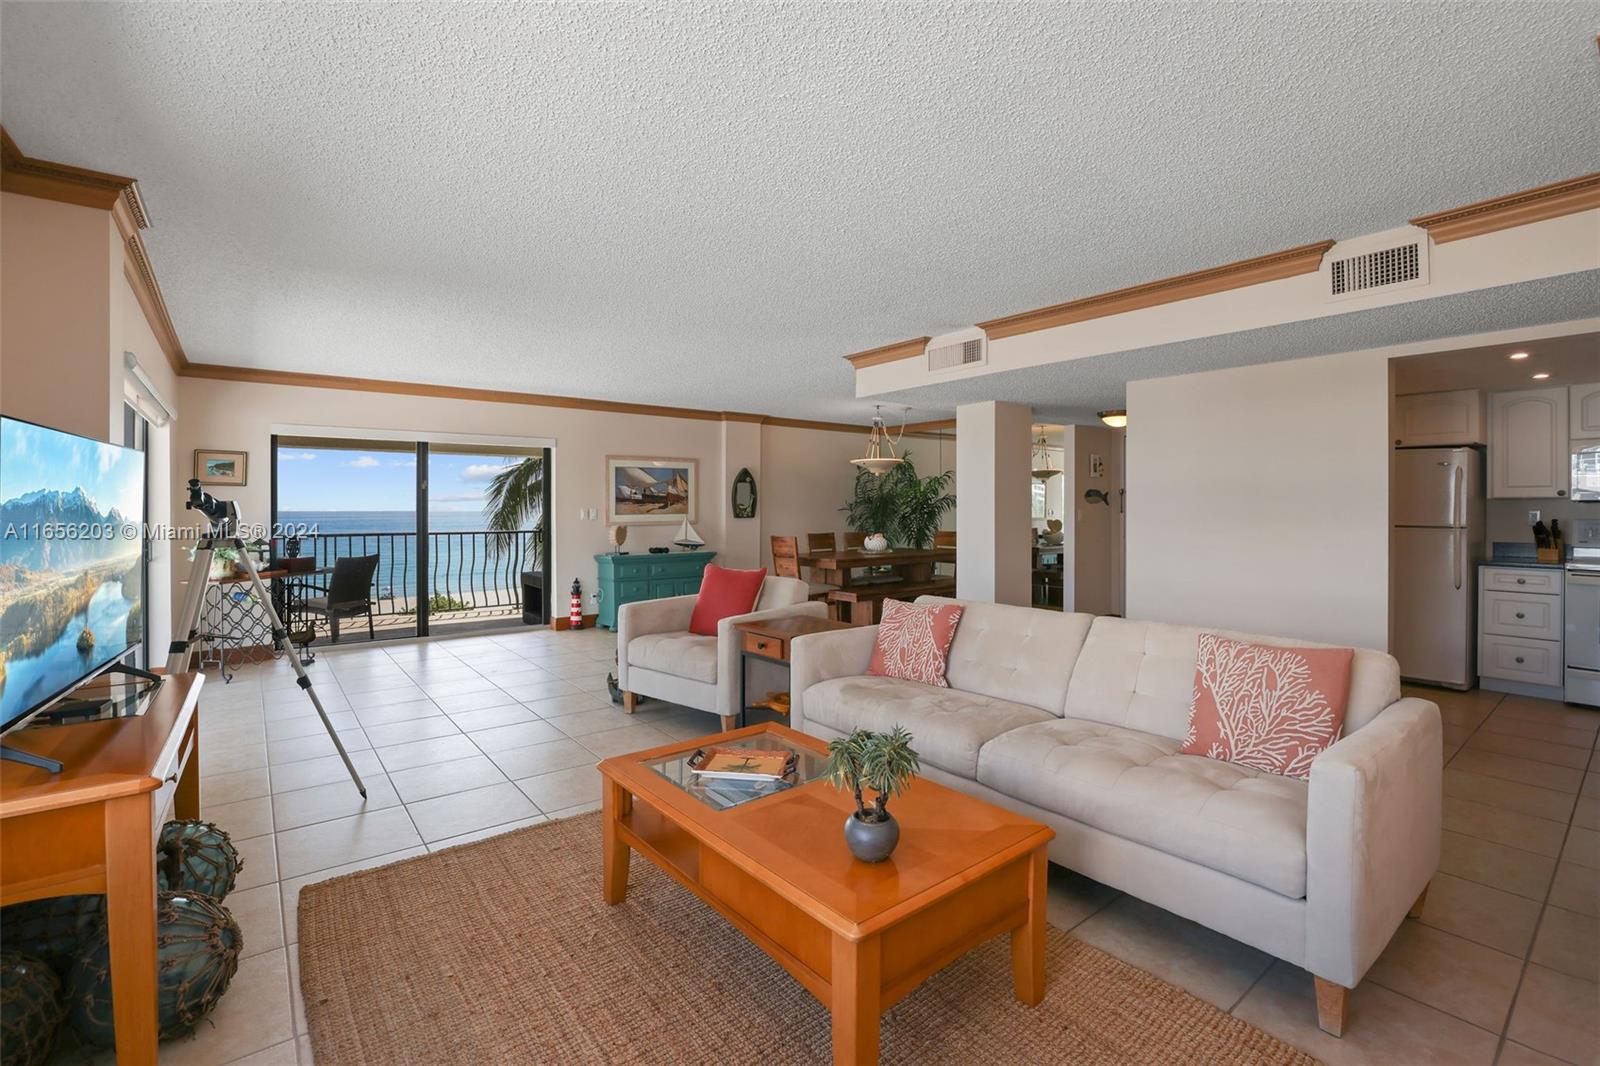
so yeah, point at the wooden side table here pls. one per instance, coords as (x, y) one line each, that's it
(770, 641)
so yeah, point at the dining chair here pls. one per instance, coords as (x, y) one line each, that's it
(852, 539)
(348, 595)
(944, 538)
(820, 542)
(786, 556)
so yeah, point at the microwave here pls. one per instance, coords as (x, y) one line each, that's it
(1586, 470)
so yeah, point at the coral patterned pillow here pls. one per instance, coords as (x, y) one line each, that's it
(1265, 707)
(914, 642)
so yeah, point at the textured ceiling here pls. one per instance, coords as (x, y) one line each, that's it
(709, 204)
(1073, 391)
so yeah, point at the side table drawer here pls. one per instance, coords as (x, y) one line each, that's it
(767, 647)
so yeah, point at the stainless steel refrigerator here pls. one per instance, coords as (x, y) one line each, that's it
(1436, 508)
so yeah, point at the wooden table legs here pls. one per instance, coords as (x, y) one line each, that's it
(856, 990)
(130, 922)
(1027, 940)
(615, 803)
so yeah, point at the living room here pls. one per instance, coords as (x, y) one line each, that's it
(566, 338)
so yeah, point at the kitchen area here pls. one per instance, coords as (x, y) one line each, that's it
(1495, 516)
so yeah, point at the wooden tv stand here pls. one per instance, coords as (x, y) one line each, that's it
(92, 828)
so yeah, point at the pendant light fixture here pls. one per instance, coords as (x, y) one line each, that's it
(1042, 470)
(1117, 419)
(876, 462)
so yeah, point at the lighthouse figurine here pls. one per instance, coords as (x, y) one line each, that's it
(575, 615)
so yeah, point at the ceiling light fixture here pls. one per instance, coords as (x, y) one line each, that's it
(1117, 419)
(1540, 376)
(875, 462)
(1042, 469)
(1518, 355)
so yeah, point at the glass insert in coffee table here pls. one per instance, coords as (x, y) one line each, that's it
(721, 794)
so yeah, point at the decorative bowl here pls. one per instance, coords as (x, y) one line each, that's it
(875, 542)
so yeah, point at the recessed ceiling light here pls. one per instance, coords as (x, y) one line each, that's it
(1519, 355)
(1540, 376)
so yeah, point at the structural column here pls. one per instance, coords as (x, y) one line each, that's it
(994, 510)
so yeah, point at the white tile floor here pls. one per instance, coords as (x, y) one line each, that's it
(463, 738)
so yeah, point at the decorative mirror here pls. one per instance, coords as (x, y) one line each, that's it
(744, 494)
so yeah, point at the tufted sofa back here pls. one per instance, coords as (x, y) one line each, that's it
(1140, 675)
(1015, 653)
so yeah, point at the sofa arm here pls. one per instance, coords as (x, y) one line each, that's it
(818, 657)
(1373, 826)
(668, 615)
(728, 647)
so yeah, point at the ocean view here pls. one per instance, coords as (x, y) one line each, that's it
(463, 563)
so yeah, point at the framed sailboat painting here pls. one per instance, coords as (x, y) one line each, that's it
(650, 491)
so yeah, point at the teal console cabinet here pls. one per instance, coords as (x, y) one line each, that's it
(642, 576)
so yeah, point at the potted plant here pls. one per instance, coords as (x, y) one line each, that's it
(883, 762)
(899, 505)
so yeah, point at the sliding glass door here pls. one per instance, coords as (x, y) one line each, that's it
(457, 535)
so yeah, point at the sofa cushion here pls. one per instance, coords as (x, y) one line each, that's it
(947, 726)
(914, 641)
(723, 594)
(1141, 675)
(1017, 654)
(681, 654)
(1242, 822)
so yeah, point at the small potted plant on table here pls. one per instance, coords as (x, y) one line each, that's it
(884, 763)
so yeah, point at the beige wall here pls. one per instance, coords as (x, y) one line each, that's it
(993, 444)
(802, 475)
(1507, 520)
(1258, 499)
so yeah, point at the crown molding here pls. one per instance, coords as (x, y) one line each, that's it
(1517, 209)
(57, 181)
(1292, 262)
(889, 353)
(129, 215)
(258, 376)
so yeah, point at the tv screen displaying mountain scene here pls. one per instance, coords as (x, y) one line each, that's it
(71, 561)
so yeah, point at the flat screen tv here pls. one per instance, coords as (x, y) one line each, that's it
(72, 513)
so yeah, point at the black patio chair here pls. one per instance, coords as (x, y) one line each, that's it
(349, 594)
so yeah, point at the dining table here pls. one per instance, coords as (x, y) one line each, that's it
(861, 580)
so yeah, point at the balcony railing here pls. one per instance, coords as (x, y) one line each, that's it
(474, 574)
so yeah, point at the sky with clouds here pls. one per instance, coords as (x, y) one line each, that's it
(33, 457)
(326, 479)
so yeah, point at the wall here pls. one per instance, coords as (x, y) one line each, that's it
(1507, 520)
(1258, 499)
(802, 475)
(56, 314)
(993, 443)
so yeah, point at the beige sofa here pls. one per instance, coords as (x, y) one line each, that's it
(1076, 721)
(658, 656)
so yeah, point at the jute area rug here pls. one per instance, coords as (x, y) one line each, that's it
(503, 951)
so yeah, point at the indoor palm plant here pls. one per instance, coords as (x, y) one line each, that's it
(902, 506)
(885, 763)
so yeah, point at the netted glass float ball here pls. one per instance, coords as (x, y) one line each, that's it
(30, 1009)
(196, 857)
(53, 929)
(197, 953)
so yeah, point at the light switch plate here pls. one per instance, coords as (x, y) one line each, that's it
(1533, 516)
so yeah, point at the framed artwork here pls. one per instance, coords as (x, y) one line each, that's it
(651, 491)
(220, 468)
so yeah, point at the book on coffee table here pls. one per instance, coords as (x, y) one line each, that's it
(752, 766)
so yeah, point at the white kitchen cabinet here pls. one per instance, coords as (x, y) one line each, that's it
(1584, 402)
(1528, 454)
(1519, 632)
(1431, 419)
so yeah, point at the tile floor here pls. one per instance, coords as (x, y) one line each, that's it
(463, 738)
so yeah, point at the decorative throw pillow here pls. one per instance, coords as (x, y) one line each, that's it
(1265, 707)
(723, 594)
(914, 642)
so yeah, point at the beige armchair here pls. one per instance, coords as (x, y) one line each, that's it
(657, 655)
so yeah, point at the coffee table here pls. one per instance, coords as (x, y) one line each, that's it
(858, 936)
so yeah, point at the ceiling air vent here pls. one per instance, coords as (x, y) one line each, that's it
(1384, 261)
(952, 351)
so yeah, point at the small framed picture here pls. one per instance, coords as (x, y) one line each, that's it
(219, 467)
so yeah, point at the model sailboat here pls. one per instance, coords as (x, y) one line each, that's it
(687, 537)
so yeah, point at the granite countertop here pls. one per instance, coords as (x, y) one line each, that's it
(1522, 563)
(1515, 553)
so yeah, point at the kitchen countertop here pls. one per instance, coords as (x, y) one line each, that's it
(1524, 564)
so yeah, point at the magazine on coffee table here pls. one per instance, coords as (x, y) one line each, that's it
(745, 766)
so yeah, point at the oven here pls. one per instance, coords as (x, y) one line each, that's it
(1583, 628)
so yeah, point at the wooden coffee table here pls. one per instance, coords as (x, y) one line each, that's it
(858, 936)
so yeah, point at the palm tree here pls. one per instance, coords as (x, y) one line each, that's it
(514, 500)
